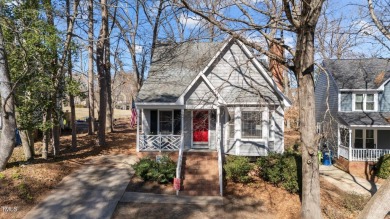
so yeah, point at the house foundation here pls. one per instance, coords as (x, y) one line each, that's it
(362, 169)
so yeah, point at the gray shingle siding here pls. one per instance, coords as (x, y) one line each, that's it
(322, 95)
(346, 101)
(238, 81)
(384, 99)
(279, 130)
(187, 138)
(200, 95)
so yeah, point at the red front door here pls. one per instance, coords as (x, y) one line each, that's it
(200, 123)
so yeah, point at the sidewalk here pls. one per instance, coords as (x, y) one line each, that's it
(137, 197)
(90, 192)
(348, 182)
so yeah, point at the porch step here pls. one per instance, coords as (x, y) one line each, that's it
(200, 174)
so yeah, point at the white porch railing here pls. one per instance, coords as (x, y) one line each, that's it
(358, 154)
(343, 151)
(159, 142)
(368, 154)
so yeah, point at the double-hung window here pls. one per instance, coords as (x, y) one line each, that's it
(251, 124)
(364, 102)
(365, 138)
(165, 122)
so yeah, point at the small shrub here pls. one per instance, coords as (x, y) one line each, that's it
(281, 170)
(383, 167)
(237, 169)
(289, 173)
(149, 170)
(166, 170)
(269, 168)
(354, 201)
(143, 168)
(2, 176)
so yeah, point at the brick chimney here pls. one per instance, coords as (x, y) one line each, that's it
(275, 67)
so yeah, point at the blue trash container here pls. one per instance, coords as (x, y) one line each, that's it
(327, 160)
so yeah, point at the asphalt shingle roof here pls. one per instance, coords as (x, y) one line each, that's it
(365, 118)
(358, 73)
(173, 68)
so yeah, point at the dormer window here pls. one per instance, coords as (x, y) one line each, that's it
(364, 102)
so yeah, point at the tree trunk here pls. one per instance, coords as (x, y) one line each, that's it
(46, 135)
(91, 76)
(57, 81)
(304, 68)
(379, 204)
(110, 114)
(102, 72)
(56, 130)
(71, 97)
(27, 144)
(7, 104)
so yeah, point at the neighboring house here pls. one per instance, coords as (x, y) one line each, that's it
(353, 107)
(213, 96)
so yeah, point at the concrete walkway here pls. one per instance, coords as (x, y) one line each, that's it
(92, 191)
(348, 182)
(171, 199)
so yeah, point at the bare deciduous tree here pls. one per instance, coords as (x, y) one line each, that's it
(102, 69)
(91, 75)
(302, 18)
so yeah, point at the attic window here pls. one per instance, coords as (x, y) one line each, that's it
(364, 102)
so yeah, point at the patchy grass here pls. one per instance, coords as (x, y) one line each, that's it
(82, 113)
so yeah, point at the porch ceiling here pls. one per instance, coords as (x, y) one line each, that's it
(365, 118)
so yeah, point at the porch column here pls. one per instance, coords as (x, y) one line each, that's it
(137, 139)
(182, 129)
(219, 150)
(350, 145)
(237, 129)
(218, 129)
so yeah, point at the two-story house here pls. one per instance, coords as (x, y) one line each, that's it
(353, 107)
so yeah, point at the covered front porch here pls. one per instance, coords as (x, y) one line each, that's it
(363, 143)
(170, 129)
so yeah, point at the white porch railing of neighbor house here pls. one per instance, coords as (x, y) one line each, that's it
(358, 154)
(159, 142)
(368, 154)
(343, 151)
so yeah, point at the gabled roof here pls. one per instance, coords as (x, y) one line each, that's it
(358, 73)
(176, 68)
(173, 68)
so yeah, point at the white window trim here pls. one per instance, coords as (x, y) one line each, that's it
(364, 138)
(364, 102)
(256, 138)
(173, 120)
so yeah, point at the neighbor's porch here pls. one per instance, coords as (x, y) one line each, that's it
(363, 143)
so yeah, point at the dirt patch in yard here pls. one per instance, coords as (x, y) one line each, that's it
(136, 184)
(23, 185)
